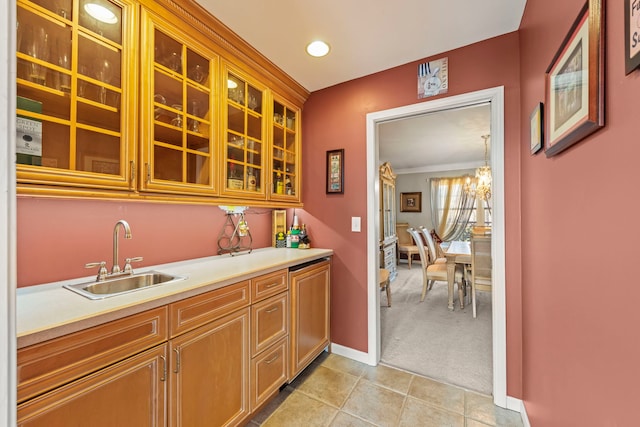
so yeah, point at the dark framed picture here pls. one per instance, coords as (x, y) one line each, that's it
(631, 35)
(335, 171)
(537, 133)
(574, 82)
(411, 202)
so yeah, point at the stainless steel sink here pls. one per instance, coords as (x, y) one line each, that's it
(123, 284)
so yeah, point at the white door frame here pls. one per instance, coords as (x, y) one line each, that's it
(8, 215)
(496, 97)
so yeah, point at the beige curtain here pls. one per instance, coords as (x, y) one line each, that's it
(451, 207)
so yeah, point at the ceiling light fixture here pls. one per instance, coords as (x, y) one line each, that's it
(480, 186)
(317, 48)
(100, 13)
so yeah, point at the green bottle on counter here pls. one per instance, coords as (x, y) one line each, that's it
(295, 237)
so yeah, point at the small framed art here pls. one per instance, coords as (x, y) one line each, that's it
(411, 202)
(335, 171)
(574, 82)
(537, 134)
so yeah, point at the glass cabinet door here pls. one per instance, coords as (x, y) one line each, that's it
(285, 150)
(178, 113)
(75, 73)
(244, 138)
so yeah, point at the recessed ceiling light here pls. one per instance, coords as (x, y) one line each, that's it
(101, 13)
(317, 48)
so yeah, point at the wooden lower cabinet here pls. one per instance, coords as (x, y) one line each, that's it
(209, 374)
(129, 393)
(209, 360)
(310, 305)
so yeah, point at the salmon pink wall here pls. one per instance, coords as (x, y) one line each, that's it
(335, 118)
(56, 238)
(579, 242)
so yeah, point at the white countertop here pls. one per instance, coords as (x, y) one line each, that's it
(48, 311)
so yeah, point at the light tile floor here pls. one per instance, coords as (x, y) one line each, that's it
(338, 392)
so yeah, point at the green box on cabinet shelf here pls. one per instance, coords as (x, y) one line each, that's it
(28, 133)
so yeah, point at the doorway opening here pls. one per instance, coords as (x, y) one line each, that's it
(494, 96)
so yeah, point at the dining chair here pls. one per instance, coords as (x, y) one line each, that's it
(434, 248)
(436, 255)
(481, 266)
(405, 243)
(432, 272)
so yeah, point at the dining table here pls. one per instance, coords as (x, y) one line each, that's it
(457, 252)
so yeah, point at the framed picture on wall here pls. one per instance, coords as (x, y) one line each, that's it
(411, 202)
(433, 78)
(335, 171)
(631, 35)
(574, 82)
(535, 120)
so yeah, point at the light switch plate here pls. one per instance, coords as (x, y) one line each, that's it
(355, 224)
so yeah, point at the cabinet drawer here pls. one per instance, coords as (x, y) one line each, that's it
(44, 366)
(269, 322)
(192, 312)
(390, 251)
(268, 372)
(270, 284)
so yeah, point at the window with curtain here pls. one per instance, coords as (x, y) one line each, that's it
(452, 209)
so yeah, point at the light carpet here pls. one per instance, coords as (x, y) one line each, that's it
(428, 339)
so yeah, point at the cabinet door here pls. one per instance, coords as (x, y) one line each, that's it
(128, 394)
(310, 305)
(210, 373)
(178, 119)
(243, 150)
(76, 83)
(285, 151)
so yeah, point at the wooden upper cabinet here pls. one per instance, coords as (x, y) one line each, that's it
(244, 105)
(177, 110)
(155, 99)
(76, 78)
(285, 151)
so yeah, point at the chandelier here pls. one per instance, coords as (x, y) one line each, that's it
(480, 186)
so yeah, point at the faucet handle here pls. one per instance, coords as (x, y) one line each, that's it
(127, 264)
(102, 272)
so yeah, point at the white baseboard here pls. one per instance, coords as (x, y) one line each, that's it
(518, 406)
(350, 353)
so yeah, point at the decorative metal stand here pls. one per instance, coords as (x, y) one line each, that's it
(234, 237)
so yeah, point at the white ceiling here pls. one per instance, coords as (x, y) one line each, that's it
(445, 140)
(371, 36)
